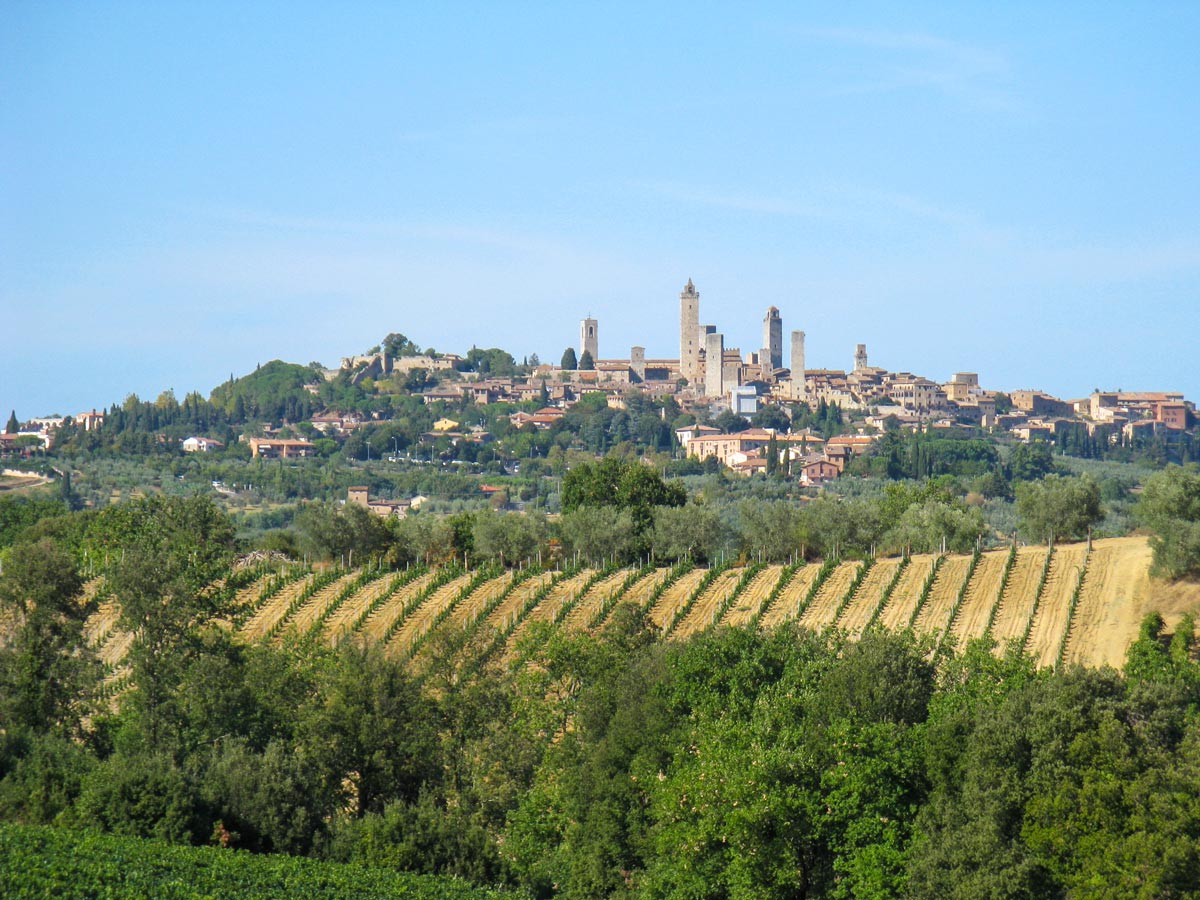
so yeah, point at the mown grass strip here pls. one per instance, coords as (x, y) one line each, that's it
(444, 576)
(826, 570)
(857, 583)
(594, 579)
(1071, 607)
(748, 576)
(680, 569)
(886, 596)
(322, 581)
(1009, 564)
(686, 607)
(364, 578)
(785, 578)
(612, 600)
(1037, 599)
(286, 576)
(478, 580)
(926, 589)
(521, 615)
(961, 597)
(401, 580)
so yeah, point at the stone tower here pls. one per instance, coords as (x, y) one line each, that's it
(714, 359)
(798, 362)
(689, 334)
(773, 338)
(860, 357)
(588, 339)
(637, 362)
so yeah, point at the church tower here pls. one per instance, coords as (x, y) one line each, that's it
(689, 334)
(589, 340)
(860, 357)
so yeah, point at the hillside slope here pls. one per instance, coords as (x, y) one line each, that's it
(1073, 606)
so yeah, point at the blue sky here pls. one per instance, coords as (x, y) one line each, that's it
(189, 189)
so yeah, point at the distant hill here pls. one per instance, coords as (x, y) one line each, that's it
(274, 390)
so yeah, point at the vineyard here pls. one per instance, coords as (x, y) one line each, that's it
(52, 862)
(1070, 604)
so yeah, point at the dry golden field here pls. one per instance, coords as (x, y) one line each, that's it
(1069, 606)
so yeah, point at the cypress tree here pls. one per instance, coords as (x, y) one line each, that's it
(13, 425)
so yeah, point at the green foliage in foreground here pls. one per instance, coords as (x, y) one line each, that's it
(51, 862)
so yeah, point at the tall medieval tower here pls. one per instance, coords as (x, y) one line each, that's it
(689, 334)
(589, 340)
(798, 382)
(773, 337)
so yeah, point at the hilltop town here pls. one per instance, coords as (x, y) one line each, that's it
(715, 403)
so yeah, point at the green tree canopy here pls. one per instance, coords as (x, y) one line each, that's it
(1058, 507)
(1170, 506)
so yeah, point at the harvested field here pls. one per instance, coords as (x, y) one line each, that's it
(868, 595)
(380, 621)
(1019, 595)
(903, 603)
(822, 611)
(302, 621)
(753, 597)
(100, 624)
(592, 602)
(249, 595)
(1117, 592)
(115, 647)
(420, 619)
(273, 611)
(566, 591)
(789, 600)
(983, 593)
(638, 593)
(935, 614)
(674, 597)
(505, 614)
(701, 615)
(344, 617)
(468, 611)
(1050, 621)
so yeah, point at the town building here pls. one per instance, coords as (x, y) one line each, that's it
(276, 448)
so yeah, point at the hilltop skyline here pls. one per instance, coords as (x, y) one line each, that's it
(187, 193)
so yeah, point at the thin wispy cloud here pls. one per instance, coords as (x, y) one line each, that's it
(740, 201)
(977, 76)
(269, 222)
(847, 203)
